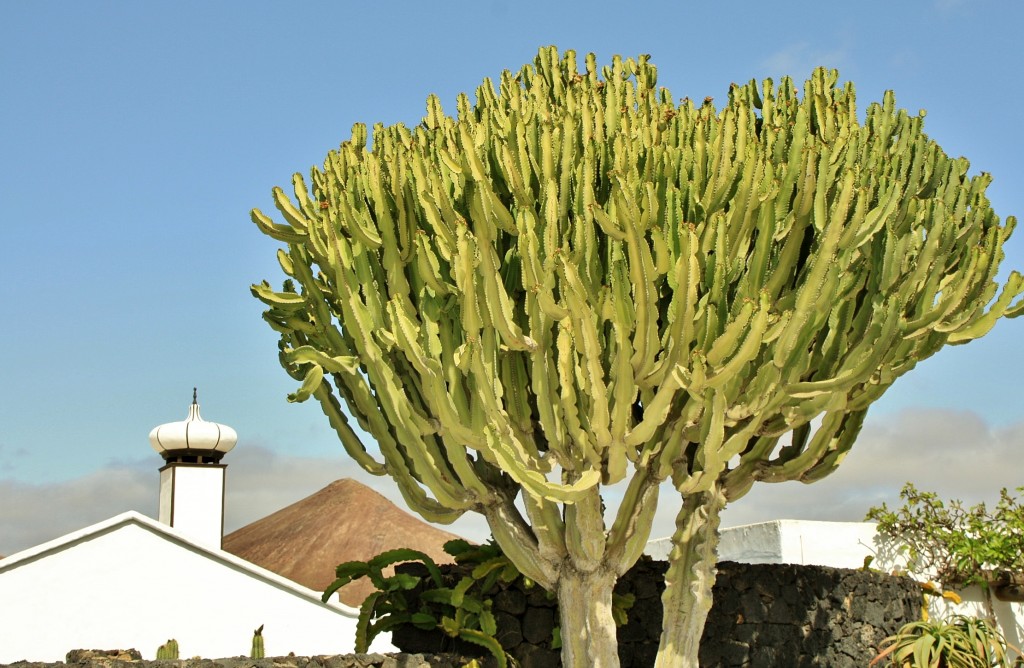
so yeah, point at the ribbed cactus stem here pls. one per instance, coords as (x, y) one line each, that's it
(690, 577)
(168, 651)
(574, 282)
(257, 651)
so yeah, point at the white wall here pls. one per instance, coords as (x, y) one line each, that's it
(836, 544)
(132, 583)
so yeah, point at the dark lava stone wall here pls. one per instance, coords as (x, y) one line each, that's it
(764, 615)
(767, 615)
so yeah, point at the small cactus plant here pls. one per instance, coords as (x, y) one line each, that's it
(257, 644)
(167, 651)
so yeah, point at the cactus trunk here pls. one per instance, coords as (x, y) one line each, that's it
(690, 577)
(588, 628)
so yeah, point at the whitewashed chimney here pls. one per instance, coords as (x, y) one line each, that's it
(192, 478)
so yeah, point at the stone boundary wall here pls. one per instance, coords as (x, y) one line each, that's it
(764, 616)
(118, 659)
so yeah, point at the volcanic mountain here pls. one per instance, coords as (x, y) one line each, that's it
(345, 521)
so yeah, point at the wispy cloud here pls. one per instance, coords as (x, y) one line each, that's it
(953, 453)
(9, 457)
(799, 59)
(32, 514)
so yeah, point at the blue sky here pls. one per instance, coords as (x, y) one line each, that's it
(135, 138)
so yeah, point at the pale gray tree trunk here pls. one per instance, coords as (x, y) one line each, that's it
(570, 563)
(588, 627)
(691, 573)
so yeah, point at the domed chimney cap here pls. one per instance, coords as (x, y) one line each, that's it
(193, 439)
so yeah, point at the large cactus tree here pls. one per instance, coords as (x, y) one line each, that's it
(576, 283)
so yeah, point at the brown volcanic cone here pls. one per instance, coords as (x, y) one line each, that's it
(345, 521)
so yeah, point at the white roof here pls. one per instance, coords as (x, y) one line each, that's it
(193, 434)
(170, 534)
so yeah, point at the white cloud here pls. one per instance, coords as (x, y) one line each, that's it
(32, 514)
(953, 453)
(259, 482)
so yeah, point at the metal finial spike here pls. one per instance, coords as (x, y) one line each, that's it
(194, 395)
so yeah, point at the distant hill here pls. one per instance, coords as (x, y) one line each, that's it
(345, 521)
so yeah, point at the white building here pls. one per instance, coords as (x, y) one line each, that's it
(845, 545)
(133, 582)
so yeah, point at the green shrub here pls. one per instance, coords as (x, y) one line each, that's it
(461, 611)
(960, 546)
(961, 642)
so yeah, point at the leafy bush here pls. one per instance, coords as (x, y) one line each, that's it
(462, 610)
(959, 546)
(961, 642)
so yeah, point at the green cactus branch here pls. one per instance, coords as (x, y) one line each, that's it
(574, 281)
